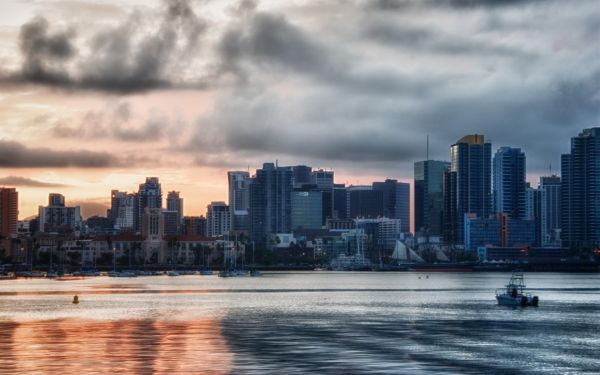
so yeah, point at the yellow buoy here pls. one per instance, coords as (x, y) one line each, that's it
(75, 299)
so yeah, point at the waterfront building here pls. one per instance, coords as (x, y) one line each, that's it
(307, 209)
(149, 196)
(175, 204)
(302, 175)
(429, 196)
(9, 212)
(499, 230)
(580, 192)
(340, 201)
(364, 202)
(239, 200)
(217, 219)
(171, 222)
(550, 188)
(270, 202)
(324, 182)
(467, 186)
(123, 209)
(194, 226)
(56, 217)
(396, 201)
(509, 182)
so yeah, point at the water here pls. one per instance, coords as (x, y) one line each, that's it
(293, 323)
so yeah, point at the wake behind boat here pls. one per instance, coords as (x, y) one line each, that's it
(514, 292)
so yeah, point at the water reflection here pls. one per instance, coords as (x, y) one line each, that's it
(124, 346)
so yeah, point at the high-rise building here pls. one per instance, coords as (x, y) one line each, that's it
(340, 201)
(217, 219)
(9, 212)
(307, 209)
(149, 196)
(302, 176)
(467, 186)
(396, 201)
(175, 203)
(171, 222)
(509, 182)
(535, 211)
(550, 186)
(324, 182)
(498, 231)
(580, 192)
(239, 200)
(364, 202)
(123, 210)
(270, 202)
(429, 196)
(56, 217)
(55, 199)
(194, 225)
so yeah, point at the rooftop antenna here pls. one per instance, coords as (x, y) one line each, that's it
(550, 169)
(427, 147)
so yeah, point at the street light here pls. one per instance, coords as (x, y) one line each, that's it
(114, 259)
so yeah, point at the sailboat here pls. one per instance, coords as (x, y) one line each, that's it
(405, 255)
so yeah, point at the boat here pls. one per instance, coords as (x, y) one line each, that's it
(172, 273)
(514, 293)
(205, 272)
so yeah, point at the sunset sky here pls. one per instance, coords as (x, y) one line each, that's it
(97, 95)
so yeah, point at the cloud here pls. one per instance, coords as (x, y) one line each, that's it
(45, 53)
(27, 182)
(142, 53)
(116, 122)
(16, 155)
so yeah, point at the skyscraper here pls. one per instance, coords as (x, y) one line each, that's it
(123, 210)
(340, 201)
(396, 201)
(550, 186)
(324, 182)
(56, 217)
(364, 202)
(9, 211)
(509, 182)
(270, 202)
(149, 196)
(175, 203)
(217, 219)
(307, 209)
(580, 192)
(467, 186)
(239, 199)
(302, 176)
(429, 196)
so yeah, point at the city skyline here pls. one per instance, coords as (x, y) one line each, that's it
(247, 81)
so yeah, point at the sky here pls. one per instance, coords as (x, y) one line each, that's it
(97, 95)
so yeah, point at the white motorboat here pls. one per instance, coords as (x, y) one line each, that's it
(514, 294)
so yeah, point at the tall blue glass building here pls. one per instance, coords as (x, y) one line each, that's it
(580, 192)
(467, 186)
(509, 182)
(429, 196)
(270, 208)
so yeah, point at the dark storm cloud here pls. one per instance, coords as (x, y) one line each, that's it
(45, 53)
(265, 41)
(124, 58)
(19, 181)
(16, 155)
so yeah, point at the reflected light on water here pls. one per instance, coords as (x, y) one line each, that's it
(124, 346)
